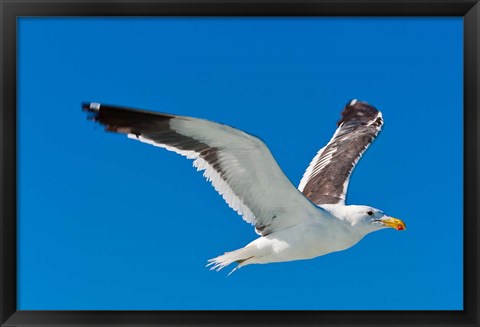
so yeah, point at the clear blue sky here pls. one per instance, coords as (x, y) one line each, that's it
(109, 223)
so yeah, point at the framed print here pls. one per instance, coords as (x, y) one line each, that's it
(275, 102)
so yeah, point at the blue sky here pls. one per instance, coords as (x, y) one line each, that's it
(109, 223)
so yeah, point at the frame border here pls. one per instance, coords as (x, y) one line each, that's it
(10, 10)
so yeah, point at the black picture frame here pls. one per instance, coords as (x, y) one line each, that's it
(10, 10)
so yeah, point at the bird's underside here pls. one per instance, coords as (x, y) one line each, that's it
(292, 223)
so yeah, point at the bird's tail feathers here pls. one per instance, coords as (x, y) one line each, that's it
(240, 256)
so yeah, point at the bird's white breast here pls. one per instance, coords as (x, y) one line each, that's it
(305, 241)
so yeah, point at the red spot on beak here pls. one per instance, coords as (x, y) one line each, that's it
(400, 228)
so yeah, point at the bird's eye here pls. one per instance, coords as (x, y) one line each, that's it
(370, 213)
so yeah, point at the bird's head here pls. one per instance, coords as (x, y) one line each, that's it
(365, 217)
(372, 217)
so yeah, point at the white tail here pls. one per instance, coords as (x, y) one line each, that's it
(241, 256)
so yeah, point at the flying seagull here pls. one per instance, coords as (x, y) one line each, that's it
(293, 224)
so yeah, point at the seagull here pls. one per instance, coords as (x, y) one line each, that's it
(292, 223)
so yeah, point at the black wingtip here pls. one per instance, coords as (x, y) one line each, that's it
(91, 106)
(357, 111)
(92, 109)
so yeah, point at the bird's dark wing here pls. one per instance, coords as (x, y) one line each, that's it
(326, 179)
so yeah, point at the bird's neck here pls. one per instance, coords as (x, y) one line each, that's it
(339, 211)
(343, 213)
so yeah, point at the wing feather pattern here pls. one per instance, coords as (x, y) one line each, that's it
(239, 166)
(326, 179)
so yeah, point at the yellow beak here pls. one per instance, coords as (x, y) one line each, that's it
(394, 223)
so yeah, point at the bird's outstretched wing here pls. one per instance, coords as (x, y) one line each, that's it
(239, 166)
(326, 179)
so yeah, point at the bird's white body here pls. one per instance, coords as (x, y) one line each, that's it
(330, 228)
(304, 241)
